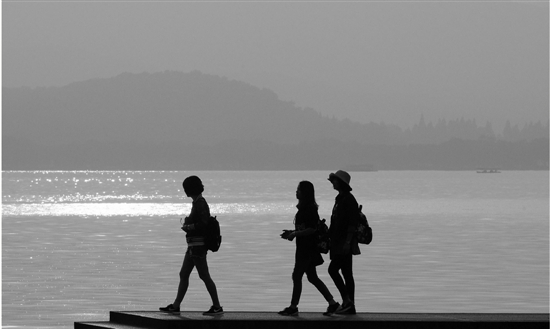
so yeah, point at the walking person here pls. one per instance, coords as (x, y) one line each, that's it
(195, 227)
(343, 243)
(307, 257)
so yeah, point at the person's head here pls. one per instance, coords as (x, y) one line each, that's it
(340, 181)
(192, 185)
(305, 193)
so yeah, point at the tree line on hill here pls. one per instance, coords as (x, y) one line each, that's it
(443, 131)
(456, 154)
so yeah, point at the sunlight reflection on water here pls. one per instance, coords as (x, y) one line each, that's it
(136, 209)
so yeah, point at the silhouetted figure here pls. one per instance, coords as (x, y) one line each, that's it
(343, 243)
(195, 226)
(307, 256)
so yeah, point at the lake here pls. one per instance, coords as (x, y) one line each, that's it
(78, 244)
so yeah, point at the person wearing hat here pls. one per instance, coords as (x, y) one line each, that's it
(343, 243)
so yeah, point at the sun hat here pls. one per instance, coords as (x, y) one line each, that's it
(341, 175)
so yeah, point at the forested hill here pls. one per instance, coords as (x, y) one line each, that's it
(195, 107)
(174, 120)
(170, 107)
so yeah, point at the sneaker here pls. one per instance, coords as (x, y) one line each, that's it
(214, 311)
(170, 309)
(347, 310)
(331, 309)
(289, 311)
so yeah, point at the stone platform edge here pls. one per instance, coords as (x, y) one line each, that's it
(271, 320)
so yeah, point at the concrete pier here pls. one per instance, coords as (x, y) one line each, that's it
(309, 320)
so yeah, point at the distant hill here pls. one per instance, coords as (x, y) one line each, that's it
(175, 120)
(165, 107)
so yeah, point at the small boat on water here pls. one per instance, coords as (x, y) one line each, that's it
(488, 171)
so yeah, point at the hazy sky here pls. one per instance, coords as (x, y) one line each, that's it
(368, 61)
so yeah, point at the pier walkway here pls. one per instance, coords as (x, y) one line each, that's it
(309, 320)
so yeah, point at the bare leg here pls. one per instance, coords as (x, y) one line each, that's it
(204, 274)
(185, 272)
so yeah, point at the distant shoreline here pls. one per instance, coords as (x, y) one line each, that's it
(260, 170)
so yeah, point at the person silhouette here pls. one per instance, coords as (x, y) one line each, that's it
(343, 243)
(307, 257)
(195, 256)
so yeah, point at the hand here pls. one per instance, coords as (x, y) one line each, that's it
(286, 234)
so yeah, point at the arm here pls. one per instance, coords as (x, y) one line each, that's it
(351, 213)
(306, 232)
(341, 225)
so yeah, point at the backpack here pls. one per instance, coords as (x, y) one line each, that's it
(323, 240)
(213, 238)
(364, 231)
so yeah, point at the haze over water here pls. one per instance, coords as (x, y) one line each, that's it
(369, 61)
(77, 245)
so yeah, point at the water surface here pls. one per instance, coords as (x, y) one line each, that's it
(76, 245)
